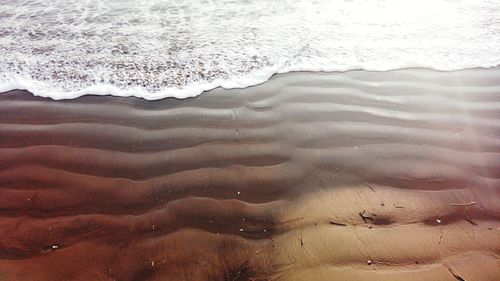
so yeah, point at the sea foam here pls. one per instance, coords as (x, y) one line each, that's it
(156, 49)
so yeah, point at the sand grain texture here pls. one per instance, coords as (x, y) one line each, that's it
(310, 176)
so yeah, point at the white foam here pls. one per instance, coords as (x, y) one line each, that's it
(155, 49)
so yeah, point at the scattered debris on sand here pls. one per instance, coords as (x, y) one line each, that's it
(338, 223)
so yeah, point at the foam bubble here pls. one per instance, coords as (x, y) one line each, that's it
(155, 49)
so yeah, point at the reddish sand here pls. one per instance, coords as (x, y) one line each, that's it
(310, 176)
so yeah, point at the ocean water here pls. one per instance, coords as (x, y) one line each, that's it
(178, 48)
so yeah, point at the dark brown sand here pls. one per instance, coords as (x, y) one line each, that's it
(310, 176)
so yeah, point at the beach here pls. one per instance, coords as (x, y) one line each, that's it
(357, 175)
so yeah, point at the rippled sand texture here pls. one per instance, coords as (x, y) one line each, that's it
(310, 176)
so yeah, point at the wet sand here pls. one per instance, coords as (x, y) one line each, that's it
(310, 176)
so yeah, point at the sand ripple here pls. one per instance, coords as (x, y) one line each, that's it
(310, 176)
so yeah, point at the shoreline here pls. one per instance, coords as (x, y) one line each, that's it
(193, 91)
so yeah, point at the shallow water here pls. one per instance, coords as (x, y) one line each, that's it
(155, 49)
